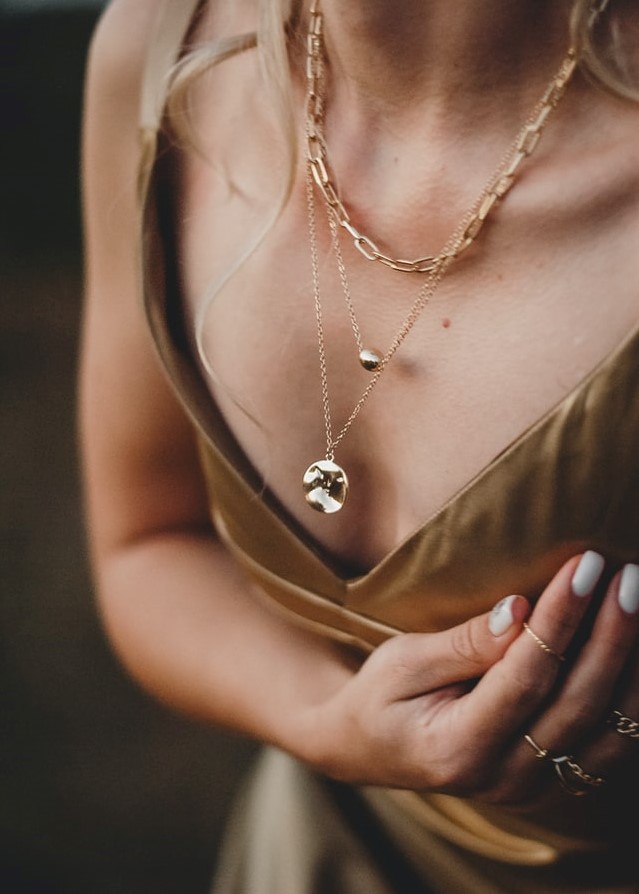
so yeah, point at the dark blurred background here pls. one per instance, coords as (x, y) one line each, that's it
(102, 791)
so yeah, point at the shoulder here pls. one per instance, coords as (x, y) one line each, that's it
(111, 105)
(131, 50)
(121, 37)
(116, 58)
(113, 81)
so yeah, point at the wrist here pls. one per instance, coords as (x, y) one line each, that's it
(318, 734)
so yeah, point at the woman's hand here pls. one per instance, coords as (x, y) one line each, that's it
(448, 711)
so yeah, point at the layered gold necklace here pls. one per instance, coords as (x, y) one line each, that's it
(325, 482)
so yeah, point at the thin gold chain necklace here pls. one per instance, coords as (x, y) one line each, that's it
(325, 483)
(523, 146)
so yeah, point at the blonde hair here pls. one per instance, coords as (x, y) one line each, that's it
(598, 41)
(602, 55)
(277, 20)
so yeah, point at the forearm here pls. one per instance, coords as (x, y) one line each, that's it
(186, 624)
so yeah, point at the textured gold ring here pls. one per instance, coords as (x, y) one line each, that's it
(542, 645)
(573, 778)
(623, 725)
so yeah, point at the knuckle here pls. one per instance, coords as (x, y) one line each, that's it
(583, 711)
(404, 655)
(510, 783)
(455, 769)
(561, 630)
(453, 776)
(528, 687)
(466, 645)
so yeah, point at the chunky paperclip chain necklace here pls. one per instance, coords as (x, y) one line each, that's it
(325, 483)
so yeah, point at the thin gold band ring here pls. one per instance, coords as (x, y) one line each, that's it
(540, 753)
(542, 645)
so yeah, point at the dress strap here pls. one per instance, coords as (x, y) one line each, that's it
(170, 28)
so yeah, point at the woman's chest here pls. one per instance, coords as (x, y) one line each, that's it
(480, 358)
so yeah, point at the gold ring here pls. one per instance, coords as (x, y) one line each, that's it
(541, 753)
(623, 725)
(565, 764)
(542, 645)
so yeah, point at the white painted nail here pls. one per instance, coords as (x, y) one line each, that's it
(629, 589)
(587, 574)
(501, 617)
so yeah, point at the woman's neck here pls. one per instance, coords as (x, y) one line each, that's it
(387, 57)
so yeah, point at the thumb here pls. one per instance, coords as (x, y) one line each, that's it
(464, 652)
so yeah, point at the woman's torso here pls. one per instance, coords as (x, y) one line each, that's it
(549, 290)
(491, 449)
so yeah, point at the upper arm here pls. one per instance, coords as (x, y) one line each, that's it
(140, 467)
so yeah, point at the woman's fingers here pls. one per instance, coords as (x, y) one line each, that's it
(602, 676)
(381, 719)
(560, 610)
(589, 687)
(622, 718)
(513, 689)
(420, 663)
(440, 708)
(464, 737)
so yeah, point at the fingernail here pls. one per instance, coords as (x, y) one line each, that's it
(501, 617)
(587, 574)
(629, 589)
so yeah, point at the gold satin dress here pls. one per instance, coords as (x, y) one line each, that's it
(569, 482)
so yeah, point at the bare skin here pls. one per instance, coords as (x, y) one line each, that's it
(532, 303)
(526, 310)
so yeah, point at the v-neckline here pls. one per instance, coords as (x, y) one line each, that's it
(491, 468)
(214, 428)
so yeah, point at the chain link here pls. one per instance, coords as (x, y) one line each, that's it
(424, 295)
(624, 725)
(319, 174)
(330, 444)
(500, 183)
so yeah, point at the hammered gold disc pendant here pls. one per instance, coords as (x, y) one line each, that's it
(370, 359)
(325, 486)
